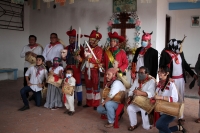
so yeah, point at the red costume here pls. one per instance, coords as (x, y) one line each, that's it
(92, 72)
(115, 54)
(72, 62)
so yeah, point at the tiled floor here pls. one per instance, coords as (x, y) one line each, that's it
(42, 120)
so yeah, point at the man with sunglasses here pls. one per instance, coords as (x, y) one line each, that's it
(52, 50)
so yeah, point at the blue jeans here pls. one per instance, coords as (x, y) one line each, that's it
(109, 110)
(163, 124)
(37, 96)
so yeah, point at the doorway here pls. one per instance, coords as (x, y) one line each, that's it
(167, 30)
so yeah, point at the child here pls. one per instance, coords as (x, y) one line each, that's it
(37, 75)
(53, 99)
(68, 97)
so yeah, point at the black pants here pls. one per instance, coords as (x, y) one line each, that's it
(25, 83)
(37, 96)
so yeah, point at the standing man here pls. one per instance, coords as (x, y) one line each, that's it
(52, 50)
(92, 70)
(173, 57)
(32, 49)
(73, 60)
(145, 56)
(114, 56)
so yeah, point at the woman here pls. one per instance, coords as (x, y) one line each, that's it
(166, 90)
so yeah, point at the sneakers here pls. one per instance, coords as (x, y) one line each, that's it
(54, 108)
(85, 106)
(79, 103)
(108, 125)
(24, 108)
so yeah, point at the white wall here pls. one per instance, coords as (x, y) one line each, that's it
(11, 46)
(86, 15)
(181, 25)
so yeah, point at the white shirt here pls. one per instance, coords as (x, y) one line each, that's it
(169, 91)
(140, 62)
(148, 87)
(71, 81)
(37, 50)
(50, 53)
(116, 87)
(177, 68)
(36, 79)
(57, 70)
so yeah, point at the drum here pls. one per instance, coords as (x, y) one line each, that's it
(31, 59)
(68, 90)
(44, 92)
(144, 103)
(169, 108)
(119, 97)
(51, 80)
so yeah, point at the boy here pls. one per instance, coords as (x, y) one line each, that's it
(37, 75)
(68, 91)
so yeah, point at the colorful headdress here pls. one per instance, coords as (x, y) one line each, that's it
(175, 45)
(94, 34)
(116, 36)
(146, 36)
(72, 32)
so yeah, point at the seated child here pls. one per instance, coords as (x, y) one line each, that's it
(37, 75)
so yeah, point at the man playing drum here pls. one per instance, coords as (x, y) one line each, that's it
(143, 86)
(108, 106)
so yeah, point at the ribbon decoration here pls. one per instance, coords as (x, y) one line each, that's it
(61, 2)
(21, 2)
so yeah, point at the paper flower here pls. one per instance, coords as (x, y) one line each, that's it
(137, 28)
(109, 29)
(116, 21)
(137, 38)
(138, 22)
(110, 23)
(131, 21)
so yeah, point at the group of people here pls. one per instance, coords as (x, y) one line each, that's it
(113, 62)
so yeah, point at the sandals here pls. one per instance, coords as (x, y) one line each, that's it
(131, 128)
(71, 113)
(183, 130)
(197, 120)
(181, 121)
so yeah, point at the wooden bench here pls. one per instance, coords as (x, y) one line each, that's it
(9, 70)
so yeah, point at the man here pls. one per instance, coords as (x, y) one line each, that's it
(92, 70)
(37, 74)
(114, 56)
(173, 57)
(108, 107)
(145, 56)
(52, 50)
(74, 59)
(31, 49)
(143, 86)
(197, 69)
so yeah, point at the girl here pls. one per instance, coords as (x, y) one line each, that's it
(166, 90)
(53, 100)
